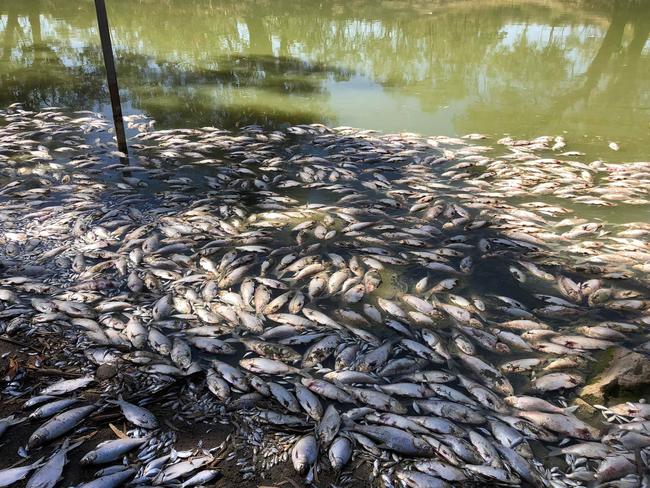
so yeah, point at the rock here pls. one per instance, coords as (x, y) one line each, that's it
(105, 371)
(585, 412)
(584, 409)
(626, 371)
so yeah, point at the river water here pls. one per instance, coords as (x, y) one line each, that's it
(579, 69)
(556, 233)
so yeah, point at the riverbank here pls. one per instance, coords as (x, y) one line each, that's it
(258, 282)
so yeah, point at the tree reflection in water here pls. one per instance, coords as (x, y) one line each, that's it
(455, 67)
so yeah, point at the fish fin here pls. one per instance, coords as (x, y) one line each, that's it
(74, 446)
(554, 452)
(119, 399)
(516, 443)
(453, 364)
(305, 373)
(571, 409)
(17, 421)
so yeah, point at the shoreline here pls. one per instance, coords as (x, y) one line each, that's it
(181, 239)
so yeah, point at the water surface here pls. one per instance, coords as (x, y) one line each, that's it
(581, 69)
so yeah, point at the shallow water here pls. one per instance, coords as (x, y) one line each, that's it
(449, 68)
(495, 67)
(61, 175)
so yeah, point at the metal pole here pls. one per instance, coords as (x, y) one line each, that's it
(111, 75)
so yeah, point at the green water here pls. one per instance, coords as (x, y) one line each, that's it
(525, 68)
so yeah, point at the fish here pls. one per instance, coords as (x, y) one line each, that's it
(328, 426)
(304, 453)
(268, 366)
(415, 479)
(183, 468)
(7, 422)
(201, 478)
(10, 476)
(556, 381)
(59, 425)
(563, 423)
(111, 451)
(362, 322)
(110, 480)
(340, 452)
(399, 440)
(138, 416)
(53, 408)
(49, 474)
(67, 386)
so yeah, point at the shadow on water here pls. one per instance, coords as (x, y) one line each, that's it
(175, 96)
(38, 72)
(586, 89)
(175, 92)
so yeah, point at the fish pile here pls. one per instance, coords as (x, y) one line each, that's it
(339, 295)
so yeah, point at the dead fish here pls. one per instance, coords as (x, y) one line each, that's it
(111, 450)
(137, 415)
(268, 366)
(340, 452)
(67, 386)
(304, 453)
(10, 476)
(415, 479)
(565, 424)
(49, 474)
(59, 425)
(556, 381)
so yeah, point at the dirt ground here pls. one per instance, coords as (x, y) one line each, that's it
(15, 359)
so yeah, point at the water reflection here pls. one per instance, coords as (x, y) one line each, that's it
(45, 69)
(615, 69)
(234, 91)
(451, 67)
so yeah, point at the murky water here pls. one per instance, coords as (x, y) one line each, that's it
(487, 235)
(495, 67)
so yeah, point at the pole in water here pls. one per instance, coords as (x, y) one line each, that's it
(111, 75)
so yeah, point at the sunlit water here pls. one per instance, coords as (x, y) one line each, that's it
(494, 67)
